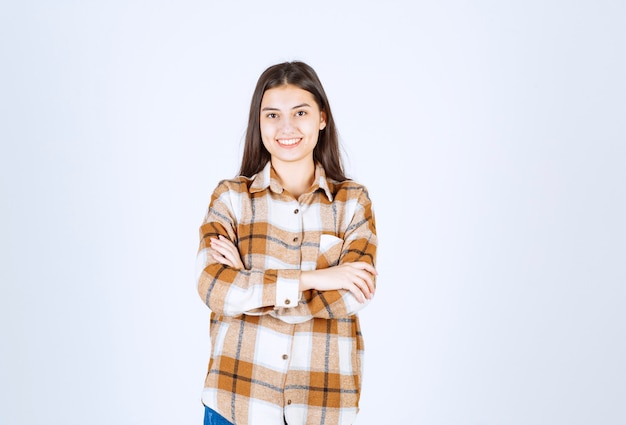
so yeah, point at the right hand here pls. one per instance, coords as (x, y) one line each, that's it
(357, 277)
(225, 252)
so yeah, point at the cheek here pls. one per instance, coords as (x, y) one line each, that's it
(266, 142)
(266, 132)
(267, 137)
(267, 127)
(313, 128)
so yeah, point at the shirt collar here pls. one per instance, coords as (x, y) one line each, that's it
(267, 178)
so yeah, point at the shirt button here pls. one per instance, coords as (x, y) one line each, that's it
(287, 302)
(285, 356)
(296, 211)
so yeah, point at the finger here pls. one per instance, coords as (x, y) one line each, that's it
(222, 241)
(228, 250)
(366, 280)
(227, 242)
(364, 287)
(360, 282)
(219, 248)
(219, 242)
(362, 265)
(222, 260)
(369, 268)
(354, 289)
(369, 280)
(224, 248)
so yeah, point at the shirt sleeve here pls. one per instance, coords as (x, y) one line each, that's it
(359, 244)
(230, 291)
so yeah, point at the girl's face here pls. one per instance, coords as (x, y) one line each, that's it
(290, 124)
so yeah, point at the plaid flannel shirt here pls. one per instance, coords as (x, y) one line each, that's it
(278, 352)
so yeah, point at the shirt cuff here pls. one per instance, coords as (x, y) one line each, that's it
(288, 289)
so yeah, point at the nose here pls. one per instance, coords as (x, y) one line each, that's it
(287, 125)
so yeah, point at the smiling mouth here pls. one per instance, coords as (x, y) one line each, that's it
(288, 142)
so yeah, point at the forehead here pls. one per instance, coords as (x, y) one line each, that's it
(287, 96)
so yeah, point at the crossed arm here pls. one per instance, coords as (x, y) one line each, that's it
(356, 277)
(343, 283)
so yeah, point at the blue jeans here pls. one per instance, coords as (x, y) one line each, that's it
(211, 417)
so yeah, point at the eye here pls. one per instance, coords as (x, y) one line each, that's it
(271, 115)
(300, 113)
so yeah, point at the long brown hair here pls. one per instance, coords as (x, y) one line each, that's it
(299, 74)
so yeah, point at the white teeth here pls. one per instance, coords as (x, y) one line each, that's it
(288, 142)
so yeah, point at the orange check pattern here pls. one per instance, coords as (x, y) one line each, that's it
(276, 352)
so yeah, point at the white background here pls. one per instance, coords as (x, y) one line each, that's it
(492, 137)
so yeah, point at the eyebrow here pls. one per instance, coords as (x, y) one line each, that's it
(302, 105)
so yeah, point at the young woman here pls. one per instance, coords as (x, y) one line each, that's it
(286, 260)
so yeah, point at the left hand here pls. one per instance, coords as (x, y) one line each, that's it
(357, 277)
(225, 252)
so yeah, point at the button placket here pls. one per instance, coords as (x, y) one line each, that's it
(296, 211)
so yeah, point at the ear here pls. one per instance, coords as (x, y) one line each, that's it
(322, 120)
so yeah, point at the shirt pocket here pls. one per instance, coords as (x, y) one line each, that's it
(330, 251)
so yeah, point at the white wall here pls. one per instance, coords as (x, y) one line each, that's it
(492, 137)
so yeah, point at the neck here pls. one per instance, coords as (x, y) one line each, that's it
(295, 177)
